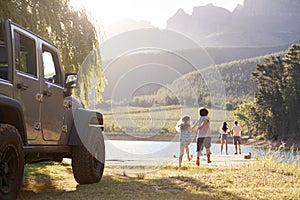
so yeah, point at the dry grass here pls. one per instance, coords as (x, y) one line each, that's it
(262, 179)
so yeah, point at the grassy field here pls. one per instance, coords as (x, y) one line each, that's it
(262, 179)
(158, 119)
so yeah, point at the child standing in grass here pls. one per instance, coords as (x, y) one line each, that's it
(202, 131)
(183, 127)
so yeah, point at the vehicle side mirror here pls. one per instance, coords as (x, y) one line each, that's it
(71, 80)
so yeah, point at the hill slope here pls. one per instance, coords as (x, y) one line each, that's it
(235, 85)
(143, 73)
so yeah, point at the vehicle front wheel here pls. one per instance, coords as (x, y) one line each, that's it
(11, 162)
(88, 159)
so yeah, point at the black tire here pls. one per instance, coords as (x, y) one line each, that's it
(88, 160)
(11, 162)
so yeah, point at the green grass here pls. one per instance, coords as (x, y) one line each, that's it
(264, 178)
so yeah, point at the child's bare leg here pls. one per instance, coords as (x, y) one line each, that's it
(181, 155)
(198, 158)
(208, 155)
(235, 146)
(222, 143)
(198, 154)
(188, 152)
(226, 144)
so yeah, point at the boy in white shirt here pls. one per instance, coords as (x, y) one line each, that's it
(236, 133)
(203, 137)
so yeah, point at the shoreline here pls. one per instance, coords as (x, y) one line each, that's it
(272, 144)
(171, 137)
(142, 137)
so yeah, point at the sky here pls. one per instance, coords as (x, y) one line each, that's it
(108, 12)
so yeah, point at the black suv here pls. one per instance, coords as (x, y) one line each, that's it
(39, 118)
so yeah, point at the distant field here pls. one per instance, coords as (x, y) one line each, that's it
(157, 119)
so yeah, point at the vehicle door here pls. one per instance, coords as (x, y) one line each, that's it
(53, 99)
(5, 69)
(27, 80)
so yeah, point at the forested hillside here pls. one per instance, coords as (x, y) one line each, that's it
(191, 89)
(145, 64)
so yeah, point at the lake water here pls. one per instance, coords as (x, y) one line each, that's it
(117, 149)
(152, 151)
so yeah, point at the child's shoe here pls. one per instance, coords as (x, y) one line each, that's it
(198, 161)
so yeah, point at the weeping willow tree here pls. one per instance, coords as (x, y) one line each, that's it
(70, 30)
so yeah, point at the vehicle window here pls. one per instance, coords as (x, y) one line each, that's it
(25, 58)
(3, 55)
(1, 33)
(51, 67)
(3, 63)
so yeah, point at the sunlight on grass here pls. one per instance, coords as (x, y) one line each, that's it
(48, 176)
(265, 178)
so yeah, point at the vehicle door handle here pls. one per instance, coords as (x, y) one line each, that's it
(39, 97)
(37, 126)
(22, 86)
(47, 93)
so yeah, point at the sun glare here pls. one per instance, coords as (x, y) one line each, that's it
(155, 11)
(108, 12)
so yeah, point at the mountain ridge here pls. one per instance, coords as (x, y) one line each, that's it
(256, 22)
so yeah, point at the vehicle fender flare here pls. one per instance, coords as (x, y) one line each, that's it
(82, 120)
(11, 112)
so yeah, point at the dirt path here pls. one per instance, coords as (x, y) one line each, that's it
(225, 161)
(217, 161)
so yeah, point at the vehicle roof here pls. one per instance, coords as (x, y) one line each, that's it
(36, 35)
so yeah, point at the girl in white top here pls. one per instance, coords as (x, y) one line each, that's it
(183, 127)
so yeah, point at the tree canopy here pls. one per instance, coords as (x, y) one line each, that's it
(70, 30)
(275, 111)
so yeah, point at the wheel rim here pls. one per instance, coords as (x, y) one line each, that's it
(8, 168)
